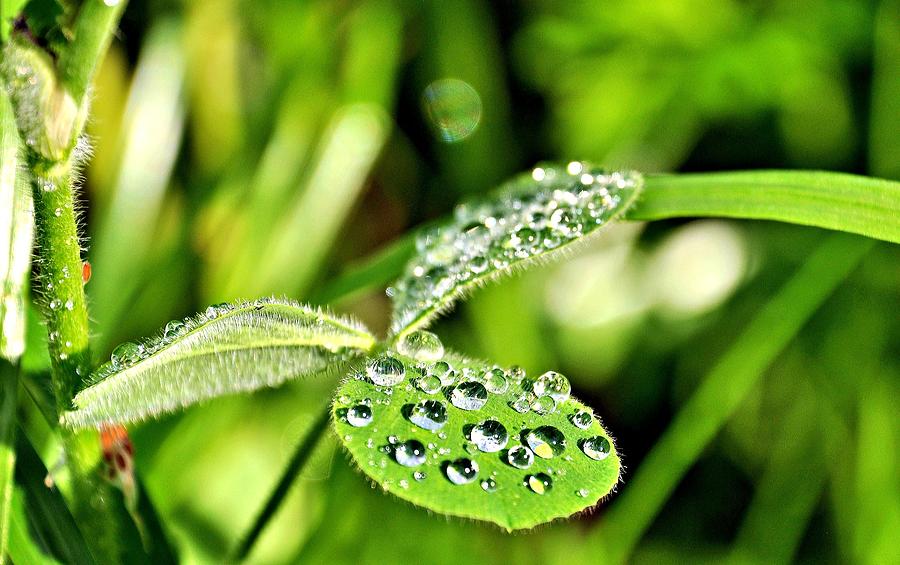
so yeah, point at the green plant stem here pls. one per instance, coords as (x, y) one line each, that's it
(9, 383)
(837, 201)
(298, 460)
(94, 28)
(721, 392)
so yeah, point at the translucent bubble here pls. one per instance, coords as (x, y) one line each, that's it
(489, 485)
(462, 471)
(429, 415)
(546, 441)
(410, 453)
(444, 372)
(522, 403)
(125, 354)
(359, 415)
(540, 483)
(544, 405)
(173, 329)
(421, 346)
(428, 384)
(469, 395)
(489, 436)
(453, 107)
(386, 371)
(495, 381)
(583, 419)
(553, 384)
(520, 457)
(597, 448)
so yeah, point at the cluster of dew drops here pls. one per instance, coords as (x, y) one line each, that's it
(531, 215)
(469, 389)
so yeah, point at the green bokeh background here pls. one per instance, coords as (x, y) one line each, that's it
(252, 147)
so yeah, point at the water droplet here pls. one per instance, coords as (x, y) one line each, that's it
(453, 107)
(546, 441)
(469, 395)
(69, 304)
(386, 371)
(495, 381)
(125, 354)
(462, 471)
(410, 453)
(429, 384)
(540, 483)
(520, 457)
(516, 374)
(597, 448)
(489, 436)
(582, 492)
(522, 404)
(489, 485)
(173, 329)
(544, 405)
(583, 419)
(53, 335)
(421, 346)
(443, 371)
(392, 439)
(359, 415)
(429, 415)
(57, 212)
(553, 384)
(420, 475)
(54, 304)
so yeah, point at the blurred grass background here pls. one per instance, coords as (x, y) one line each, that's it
(247, 148)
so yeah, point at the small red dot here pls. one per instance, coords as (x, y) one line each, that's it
(85, 272)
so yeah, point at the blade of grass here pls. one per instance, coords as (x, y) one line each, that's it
(837, 201)
(22, 548)
(9, 384)
(884, 122)
(721, 392)
(298, 459)
(47, 510)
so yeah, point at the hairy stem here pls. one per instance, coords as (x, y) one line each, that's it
(97, 20)
(298, 460)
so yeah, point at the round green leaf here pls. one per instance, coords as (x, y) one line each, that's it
(500, 493)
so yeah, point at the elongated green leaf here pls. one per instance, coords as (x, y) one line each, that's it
(424, 448)
(836, 201)
(226, 349)
(531, 218)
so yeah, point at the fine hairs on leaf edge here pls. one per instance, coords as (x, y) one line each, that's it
(462, 291)
(362, 341)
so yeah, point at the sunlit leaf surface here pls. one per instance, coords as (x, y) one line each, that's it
(227, 348)
(469, 439)
(533, 217)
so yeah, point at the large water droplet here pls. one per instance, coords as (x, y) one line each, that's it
(428, 384)
(583, 419)
(410, 453)
(125, 354)
(469, 395)
(520, 457)
(544, 405)
(429, 414)
(597, 448)
(444, 372)
(462, 471)
(173, 329)
(553, 384)
(359, 415)
(495, 381)
(546, 441)
(540, 482)
(386, 371)
(453, 107)
(489, 436)
(421, 346)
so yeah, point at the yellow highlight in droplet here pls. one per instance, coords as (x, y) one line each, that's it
(536, 485)
(544, 451)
